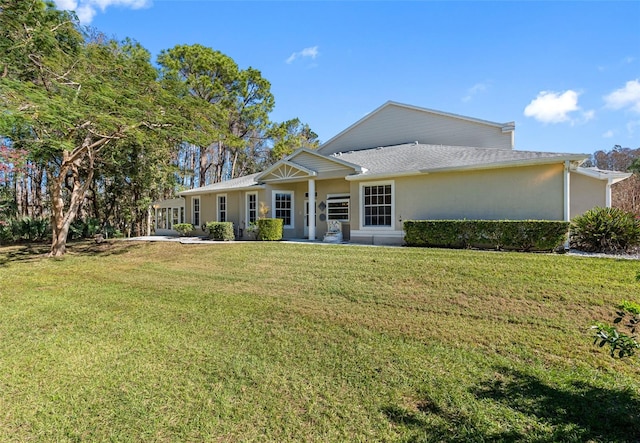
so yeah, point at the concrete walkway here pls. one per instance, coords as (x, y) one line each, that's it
(207, 241)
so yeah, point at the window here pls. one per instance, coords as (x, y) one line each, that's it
(252, 207)
(196, 211)
(222, 208)
(175, 220)
(283, 207)
(377, 205)
(181, 214)
(338, 207)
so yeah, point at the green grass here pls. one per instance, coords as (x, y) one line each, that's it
(284, 342)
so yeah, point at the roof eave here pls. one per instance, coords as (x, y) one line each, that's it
(198, 191)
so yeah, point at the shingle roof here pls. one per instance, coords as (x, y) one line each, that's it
(235, 183)
(414, 157)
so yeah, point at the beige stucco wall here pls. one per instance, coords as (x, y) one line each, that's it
(586, 193)
(521, 193)
(533, 192)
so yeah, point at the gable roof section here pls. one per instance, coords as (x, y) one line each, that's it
(307, 163)
(413, 159)
(396, 123)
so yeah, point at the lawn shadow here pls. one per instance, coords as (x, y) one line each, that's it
(581, 412)
(30, 252)
(578, 413)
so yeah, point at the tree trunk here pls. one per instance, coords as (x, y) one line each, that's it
(61, 220)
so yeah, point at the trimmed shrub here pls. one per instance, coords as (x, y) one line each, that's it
(183, 228)
(605, 230)
(269, 229)
(220, 231)
(526, 235)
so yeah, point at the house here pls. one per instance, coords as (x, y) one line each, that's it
(401, 162)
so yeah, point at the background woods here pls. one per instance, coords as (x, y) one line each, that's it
(92, 132)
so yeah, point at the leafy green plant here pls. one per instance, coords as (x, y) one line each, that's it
(622, 344)
(183, 228)
(220, 231)
(605, 230)
(269, 229)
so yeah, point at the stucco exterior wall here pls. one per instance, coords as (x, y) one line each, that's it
(523, 193)
(586, 193)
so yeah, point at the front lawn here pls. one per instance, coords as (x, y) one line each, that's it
(287, 342)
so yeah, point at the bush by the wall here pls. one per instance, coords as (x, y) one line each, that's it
(269, 229)
(183, 228)
(220, 231)
(605, 230)
(526, 235)
(25, 229)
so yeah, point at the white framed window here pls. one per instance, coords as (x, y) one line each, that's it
(175, 219)
(283, 207)
(378, 206)
(338, 207)
(252, 207)
(222, 208)
(196, 212)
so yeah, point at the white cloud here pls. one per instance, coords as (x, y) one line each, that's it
(311, 52)
(632, 126)
(475, 90)
(554, 107)
(626, 97)
(608, 134)
(87, 9)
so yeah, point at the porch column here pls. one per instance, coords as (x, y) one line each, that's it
(608, 194)
(567, 191)
(312, 209)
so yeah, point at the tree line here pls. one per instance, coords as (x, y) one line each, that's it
(91, 128)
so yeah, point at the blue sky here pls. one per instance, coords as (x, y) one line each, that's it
(568, 73)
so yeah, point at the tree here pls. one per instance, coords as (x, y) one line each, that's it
(70, 99)
(625, 194)
(232, 113)
(289, 136)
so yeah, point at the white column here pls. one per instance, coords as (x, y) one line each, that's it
(608, 194)
(312, 209)
(567, 191)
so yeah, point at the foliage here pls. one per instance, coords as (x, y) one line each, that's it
(220, 231)
(183, 229)
(626, 193)
(531, 235)
(269, 229)
(289, 136)
(622, 344)
(76, 101)
(30, 229)
(605, 230)
(84, 228)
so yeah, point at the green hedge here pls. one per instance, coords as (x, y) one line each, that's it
(183, 228)
(220, 231)
(526, 235)
(269, 229)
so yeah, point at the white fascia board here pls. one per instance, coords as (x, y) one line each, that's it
(198, 191)
(509, 164)
(614, 176)
(385, 176)
(501, 165)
